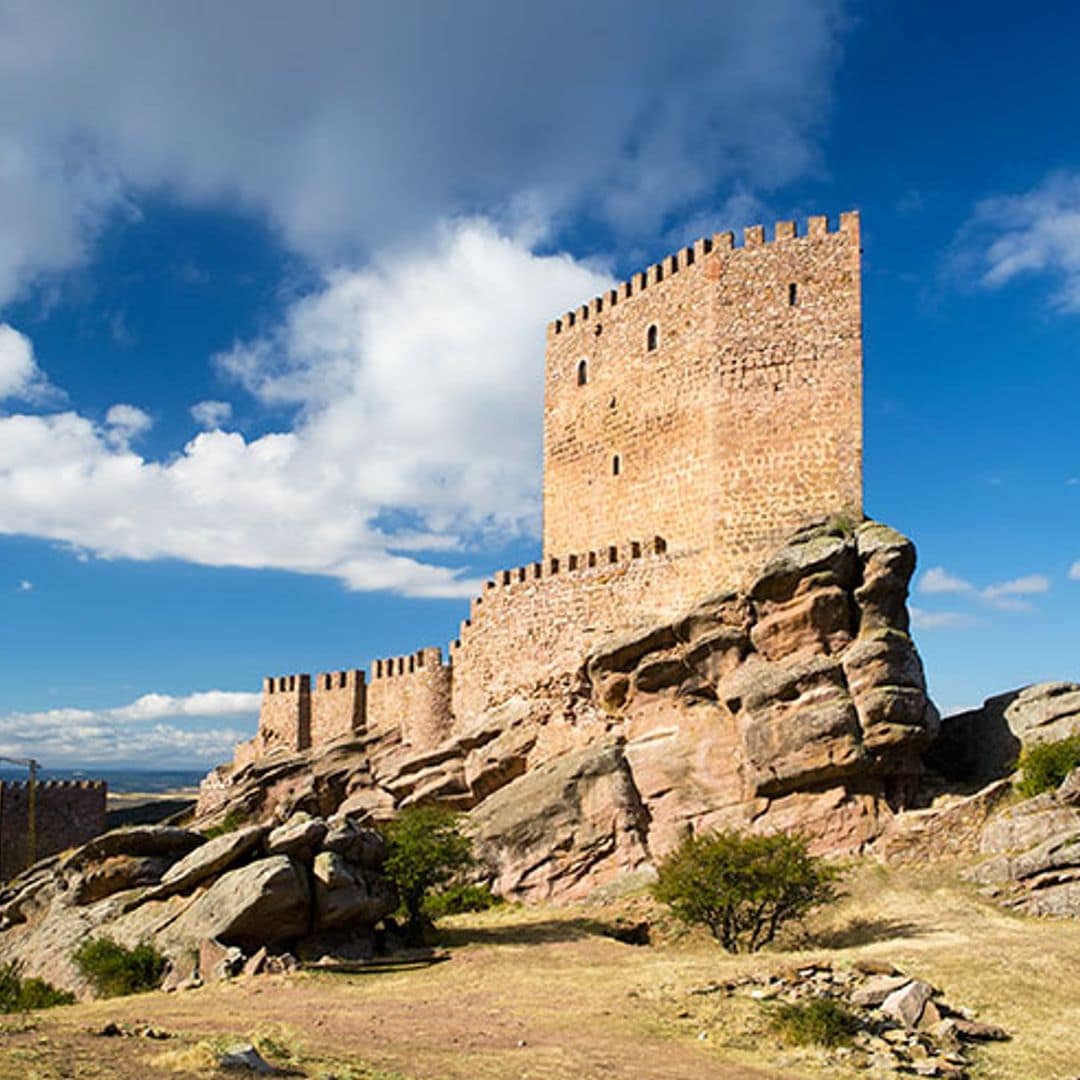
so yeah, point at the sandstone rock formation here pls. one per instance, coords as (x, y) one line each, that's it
(797, 701)
(203, 903)
(984, 744)
(1034, 850)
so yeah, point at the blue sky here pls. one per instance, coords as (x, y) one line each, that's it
(273, 286)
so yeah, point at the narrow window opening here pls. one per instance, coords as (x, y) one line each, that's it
(689, 256)
(599, 329)
(792, 294)
(616, 465)
(659, 271)
(582, 372)
(651, 337)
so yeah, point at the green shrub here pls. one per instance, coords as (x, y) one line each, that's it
(113, 970)
(1046, 765)
(21, 995)
(822, 1021)
(426, 849)
(459, 898)
(743, 888)
(232, 821)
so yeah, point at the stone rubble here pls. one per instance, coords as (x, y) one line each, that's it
(905, 1025)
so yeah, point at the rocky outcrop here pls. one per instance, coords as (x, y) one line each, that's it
(206, 904)
(796, 701)
(1034, 850)
(985, 744)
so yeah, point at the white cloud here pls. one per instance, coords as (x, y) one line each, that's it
(126, 422)
(419, 389)
(20, 376)
(1034, 233)
(24, 586)
(940, 620)
(348, 126)
(134, 733)
(1006, 594)
(1074, 571)
(211, 415)
(938, 580)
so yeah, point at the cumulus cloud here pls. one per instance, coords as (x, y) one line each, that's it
(1004, 595)
(418, 385)
(211, 415)
(938, 580)
(1074, 571)
(126, 422)
(1036, 232)
(20, 376)
(940, 620)
(349, 125)
(135, 733)
(24, 586)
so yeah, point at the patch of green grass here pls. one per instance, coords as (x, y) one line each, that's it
(22, 995)
(113, 970)
(819, 1022)
(1046, 765)
(232, 821)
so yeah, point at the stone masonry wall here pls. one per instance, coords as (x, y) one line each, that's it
(411, 694)
(543, 619)
(285, 714)
(67, 813)
(736, 423)
(338, 705)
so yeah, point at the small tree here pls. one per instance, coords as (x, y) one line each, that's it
(426, 849)
(744, 888)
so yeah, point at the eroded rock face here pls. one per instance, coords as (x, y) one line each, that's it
(795, 702)
(1034, 850)
(242, 892)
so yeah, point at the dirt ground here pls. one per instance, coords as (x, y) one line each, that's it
(544, 994)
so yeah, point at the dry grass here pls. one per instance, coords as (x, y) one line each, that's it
(542, 994)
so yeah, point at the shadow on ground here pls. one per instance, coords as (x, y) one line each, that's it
(862, 932)
(534, 933)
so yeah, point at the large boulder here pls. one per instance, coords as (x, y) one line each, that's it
(264, 903)
(212, 858)
(564, 827)
(347, 896)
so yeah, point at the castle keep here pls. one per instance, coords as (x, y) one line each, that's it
(694, 416)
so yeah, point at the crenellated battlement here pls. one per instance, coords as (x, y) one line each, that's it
(57, 785)
(287, 684)
(423, 659)
(693, 257)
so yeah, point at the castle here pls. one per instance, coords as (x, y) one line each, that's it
(66, 813)
(694, 416)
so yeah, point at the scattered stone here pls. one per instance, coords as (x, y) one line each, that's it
(972, 1029)
(870, 965)
(876, 989)
(906, 1004)
(247, 1057)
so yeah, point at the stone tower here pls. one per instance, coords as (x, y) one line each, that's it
(715, 399)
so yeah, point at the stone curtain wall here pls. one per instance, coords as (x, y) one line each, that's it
(532, 623)
(742, 423)
(411, 694)
(337, 705)
(285, 714)
(68, 813)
